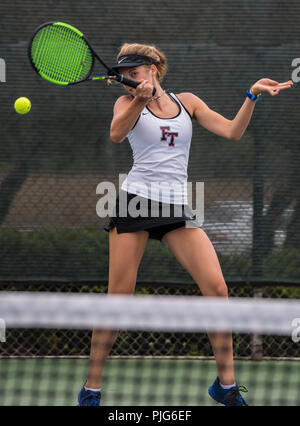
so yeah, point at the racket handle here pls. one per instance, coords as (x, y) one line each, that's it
(130, 83)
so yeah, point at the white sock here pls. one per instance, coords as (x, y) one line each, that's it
(227, 386)
(94, 390)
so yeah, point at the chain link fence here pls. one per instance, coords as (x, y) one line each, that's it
(32, 342)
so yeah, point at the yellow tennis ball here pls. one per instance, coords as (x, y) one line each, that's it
(22, 105)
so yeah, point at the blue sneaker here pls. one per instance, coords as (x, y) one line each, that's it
(89, 398)
(229, 397)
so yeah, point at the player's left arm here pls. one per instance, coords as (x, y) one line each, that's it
(207, 118)
(232, 129)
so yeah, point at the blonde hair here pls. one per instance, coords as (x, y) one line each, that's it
(147, 50)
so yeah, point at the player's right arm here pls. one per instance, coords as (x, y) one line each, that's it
(127, 111)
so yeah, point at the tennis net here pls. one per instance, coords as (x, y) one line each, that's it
(145, 380)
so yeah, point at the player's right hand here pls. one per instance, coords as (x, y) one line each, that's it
(144, 91)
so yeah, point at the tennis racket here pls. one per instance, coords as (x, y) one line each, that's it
(61, 54)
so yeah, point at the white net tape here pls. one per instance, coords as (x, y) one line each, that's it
(157, 313)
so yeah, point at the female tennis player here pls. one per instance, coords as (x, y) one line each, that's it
(159, 129)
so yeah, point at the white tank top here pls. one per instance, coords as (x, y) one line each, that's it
(160, 148)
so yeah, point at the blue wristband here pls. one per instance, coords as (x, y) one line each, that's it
(253, 97)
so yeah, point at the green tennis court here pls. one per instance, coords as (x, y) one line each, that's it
(144, 381)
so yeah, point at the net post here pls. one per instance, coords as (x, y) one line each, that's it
(258, 229)
(257, 339)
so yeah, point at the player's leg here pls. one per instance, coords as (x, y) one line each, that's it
(195, 252)
(125, 254)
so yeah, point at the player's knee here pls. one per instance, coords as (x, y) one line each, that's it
(218, 288)
(122, 285)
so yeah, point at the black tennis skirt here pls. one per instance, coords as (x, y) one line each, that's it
(157, 218)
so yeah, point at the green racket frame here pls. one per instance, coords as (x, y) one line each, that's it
(67, 63)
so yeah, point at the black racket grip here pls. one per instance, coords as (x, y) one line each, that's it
(131, 83)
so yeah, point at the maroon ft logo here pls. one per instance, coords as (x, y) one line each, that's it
(167, 134)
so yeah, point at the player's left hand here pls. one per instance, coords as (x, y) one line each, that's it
(270, 86)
